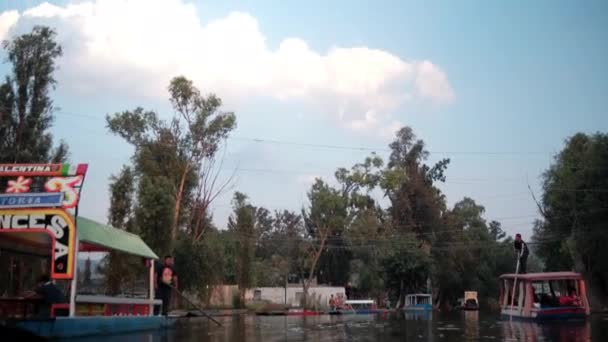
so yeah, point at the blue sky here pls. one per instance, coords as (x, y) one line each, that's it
(509, 82)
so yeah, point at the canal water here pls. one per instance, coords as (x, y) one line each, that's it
(461, 326)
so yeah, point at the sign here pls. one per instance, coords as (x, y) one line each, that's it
(55, 222)
(31, 200)
(46, 170)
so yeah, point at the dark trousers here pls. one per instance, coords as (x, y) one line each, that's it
(163, 293)
(523, 260)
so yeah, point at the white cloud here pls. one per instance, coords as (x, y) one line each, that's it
(138, 45)
(7, 20)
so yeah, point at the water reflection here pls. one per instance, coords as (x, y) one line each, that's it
(471, 325)
(556, 331)
(461, 326)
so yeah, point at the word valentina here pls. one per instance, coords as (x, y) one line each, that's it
(30, 168)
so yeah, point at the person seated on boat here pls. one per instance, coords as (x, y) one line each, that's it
(522, 253)
(48, 293)
(332, 303)
(570, 300)
(535, 298)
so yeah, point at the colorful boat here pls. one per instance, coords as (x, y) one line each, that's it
(544, 296)
(44, 223)
(418, 302)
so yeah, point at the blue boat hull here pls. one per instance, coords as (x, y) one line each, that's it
(63, 327)
(421, 307)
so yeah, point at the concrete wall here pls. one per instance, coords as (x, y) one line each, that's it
(317, 295)
(223, 295)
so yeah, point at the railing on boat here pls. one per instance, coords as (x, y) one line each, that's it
(89, 305)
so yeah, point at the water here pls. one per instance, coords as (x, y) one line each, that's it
(462, 326)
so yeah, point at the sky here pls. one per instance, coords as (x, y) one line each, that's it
(496, 87)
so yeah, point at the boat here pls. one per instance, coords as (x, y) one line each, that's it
(544, 296)
(418, 302)
(358, 307)
(470, 301)
(46, 225)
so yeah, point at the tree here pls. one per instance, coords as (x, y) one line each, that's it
(574, 202)
(242, 224)
(354, 189)
(416, 205)
(406, 267)
(176, 150)
(118, 269)
(201, 265)
(26, 109)
(326, 215)
(475, 253)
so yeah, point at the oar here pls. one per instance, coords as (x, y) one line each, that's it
(194, 305)
(514, 286)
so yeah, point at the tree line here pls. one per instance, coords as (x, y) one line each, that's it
(381, 227)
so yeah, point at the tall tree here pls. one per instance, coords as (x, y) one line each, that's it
(242, 224)
(416, 205)
(26, 108)
(176, 149)
(325, 217)
(574, 207)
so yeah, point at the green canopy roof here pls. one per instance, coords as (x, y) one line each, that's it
(110, 238)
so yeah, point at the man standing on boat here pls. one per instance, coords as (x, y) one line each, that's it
(166, 281)
(522, 253)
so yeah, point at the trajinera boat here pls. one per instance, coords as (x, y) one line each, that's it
(544, 296)
(44, 223)
(418, 302)
(470, 301)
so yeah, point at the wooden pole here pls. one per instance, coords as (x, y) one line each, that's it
(194, 305)
(514, 286)
(73, 285)
(152, 287)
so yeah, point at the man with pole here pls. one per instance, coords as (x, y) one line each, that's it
(166, 281)
(522, 258)
(522, 253)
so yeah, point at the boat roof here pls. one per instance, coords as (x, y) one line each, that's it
(97, 237)
(418, 295)
(543, 276)
(359, 301)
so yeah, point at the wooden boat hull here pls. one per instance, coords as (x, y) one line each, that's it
(65, 327)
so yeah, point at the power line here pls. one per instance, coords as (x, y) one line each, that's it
(337, 147)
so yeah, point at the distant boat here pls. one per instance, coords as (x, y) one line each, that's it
(359, 307)
(544, 296)
(418, 302)
(470, 301)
